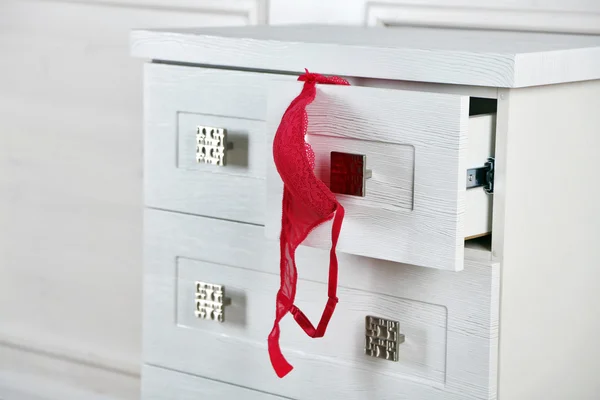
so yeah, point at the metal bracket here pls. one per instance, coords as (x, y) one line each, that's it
(348, 174)
(211, 301)
(383, 338)
(482, 176)
(212, 145)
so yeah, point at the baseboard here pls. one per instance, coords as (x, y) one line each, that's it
(30, 375)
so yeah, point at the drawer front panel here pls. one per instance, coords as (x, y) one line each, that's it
(390, 188)
(178, 101)
(163, 384)
(416, 146)
(422, 355)
(449, 319)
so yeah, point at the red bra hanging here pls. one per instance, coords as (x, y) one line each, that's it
(307, 203)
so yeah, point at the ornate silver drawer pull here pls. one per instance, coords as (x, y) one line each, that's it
(382, 338)
(211, 301)
(348, 174)
(212, 145)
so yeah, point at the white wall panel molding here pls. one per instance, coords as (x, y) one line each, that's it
(73, 351)
(256, 11)
(576, 20)
(26, 374)
(342, 12)
(551, 5)
(581, 16)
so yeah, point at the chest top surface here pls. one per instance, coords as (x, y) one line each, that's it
(453, 56)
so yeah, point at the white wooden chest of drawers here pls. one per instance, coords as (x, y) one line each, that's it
(492, 289)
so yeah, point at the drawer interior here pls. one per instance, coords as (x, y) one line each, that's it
(479, 203)
(480, 105)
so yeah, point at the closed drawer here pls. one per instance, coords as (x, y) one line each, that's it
(179, 100)
(449, 319)
(163, 384)
(416, 208)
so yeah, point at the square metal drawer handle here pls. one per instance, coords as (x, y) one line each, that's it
(211, 301)
(348, 174)
(212, 145)
(383, 338)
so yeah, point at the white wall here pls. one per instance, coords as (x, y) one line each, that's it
(71, 157)
(70, 180)
(541, 15)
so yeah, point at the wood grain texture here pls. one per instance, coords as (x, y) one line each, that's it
(178, 99)
(549, 235)
(165, 384)
(238, 255)
(392, 165)
(455, 56)
(181, 98)
(428, 232)
(423, 355)
(486, 92)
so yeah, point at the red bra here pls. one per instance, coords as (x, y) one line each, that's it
(307, 203)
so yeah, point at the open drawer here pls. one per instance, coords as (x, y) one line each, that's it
(415, 207)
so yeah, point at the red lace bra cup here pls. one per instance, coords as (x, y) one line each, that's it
(307, 202)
